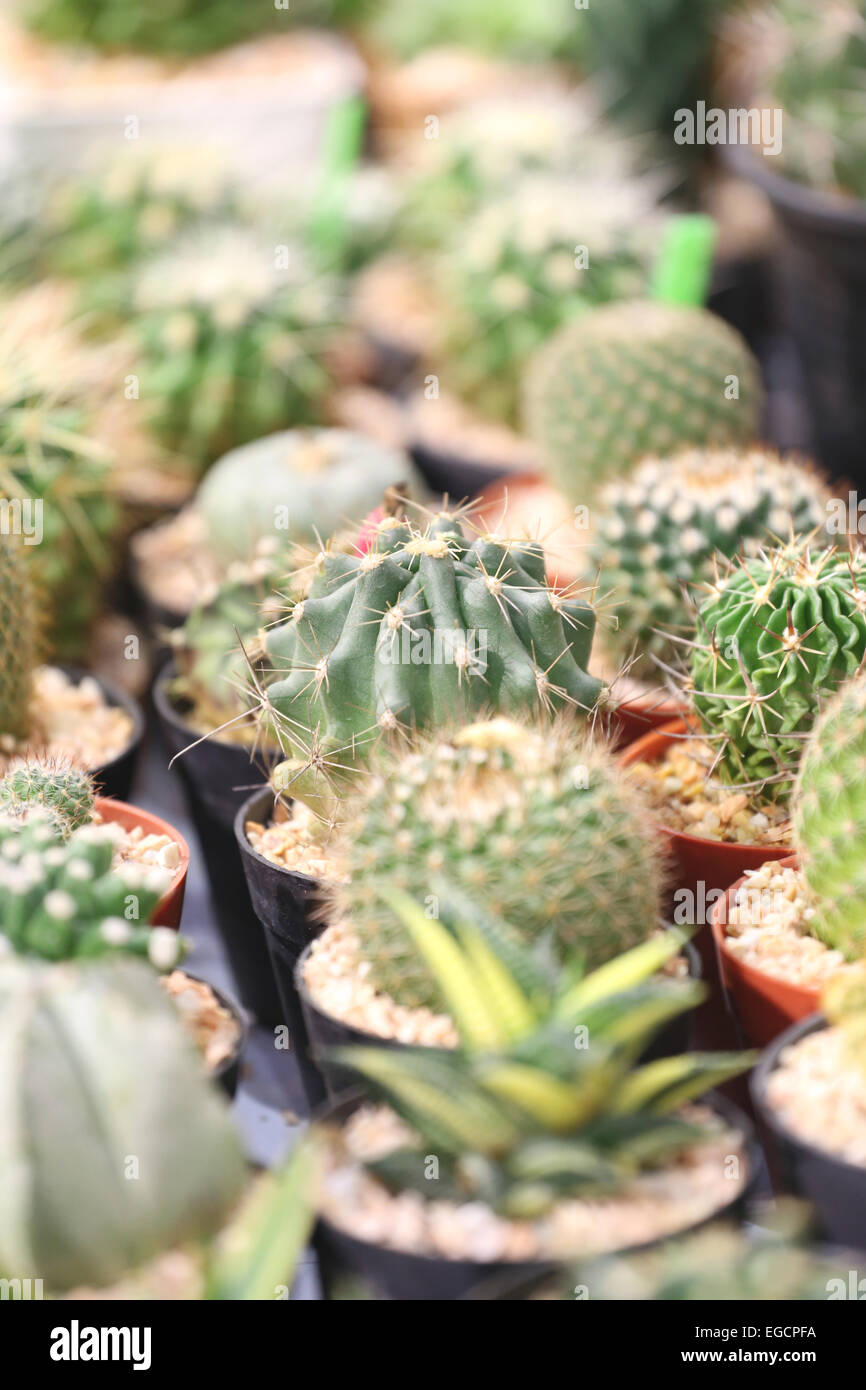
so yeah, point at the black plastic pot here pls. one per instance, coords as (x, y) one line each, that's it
(217, 777)
(394, 1274)
(114, 778)
(323, 1032)
(227, 1074)
(821, 285)
(835, 1189)
(285, 904)
(449, 473)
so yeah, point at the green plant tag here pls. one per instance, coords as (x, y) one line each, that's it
(344, 134)
(682, 271)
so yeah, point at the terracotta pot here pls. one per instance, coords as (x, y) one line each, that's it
(168, 910)
(643, 715)
(765, 1005)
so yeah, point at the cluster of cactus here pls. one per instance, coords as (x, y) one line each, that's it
(814, 71)
(66, 793)
(116, 1146)
(19, 637)
(775, 639)
(426, 626)
(296, 485)
(233, 338)
(52, 468)
(60, 900)
(521, 1116)
(529, 261)
(129, 205)
(658, 529)
(635, 379)
(535, 827)
(829, 820)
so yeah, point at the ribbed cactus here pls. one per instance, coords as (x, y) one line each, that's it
(296, 485)
(425, 627)
(636, 379)
(829, 819)
(658, 529)
(542, 831)
(233, 335)
(540, 255)
(114, 1145)
(59, 900)
(775, 639)
(65, 792)
(19, 637)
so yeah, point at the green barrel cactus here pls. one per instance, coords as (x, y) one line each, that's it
(541, 254)
(19, 637)
(659, 528)
(60, 900)
(775, 639)
(114, 1144)
(65, 792)
(829, 828)
(233, 337)
(424, 627)
(541, 831)
(297, 485)
(635, 379)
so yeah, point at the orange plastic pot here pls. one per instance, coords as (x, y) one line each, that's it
(167, 912)
(635, 718)
(765, 1005)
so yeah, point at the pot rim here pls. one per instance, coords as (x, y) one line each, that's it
(631, 754)
(727, 1109)
(751, 974)
(845, 215)
(767, 1064)
(230, 1004)
(246, 848)
(166, 710)
(105, 804)
(116, 698)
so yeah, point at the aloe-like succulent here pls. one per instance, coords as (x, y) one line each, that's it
(776, 637)
(530, 824)
(521, 1116)
(233, 337)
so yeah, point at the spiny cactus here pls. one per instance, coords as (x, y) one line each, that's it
(830, 821)
(59, 900)
(296, 485)
(843, 1001)
(233, 337)
(658, 529)
(527, 824)
(100, 1075)
(52, 469)
(19, 637)
(65, 792)
(426, 626)
(775, 639)
(528, 262)
(635, 379)
(520, 1117)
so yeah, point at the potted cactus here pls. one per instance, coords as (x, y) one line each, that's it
(465, 626)
(776, 636)
(657, 535)
(788, 928)
(47, 708)
(534, 831)
(537, 1147)
(809, 1091)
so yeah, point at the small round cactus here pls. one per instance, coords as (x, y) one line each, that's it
(19, 632)
(658, 530)
(829, 819)
(635, 379)
(541, 831)
(775, 638)
(65, 792)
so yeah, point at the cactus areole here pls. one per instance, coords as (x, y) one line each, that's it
(775, 639)
(427, 626)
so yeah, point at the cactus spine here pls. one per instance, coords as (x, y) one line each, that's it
(65, 792)
(524, 824)
(776, 637)
(829, 817)
(19, 632)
